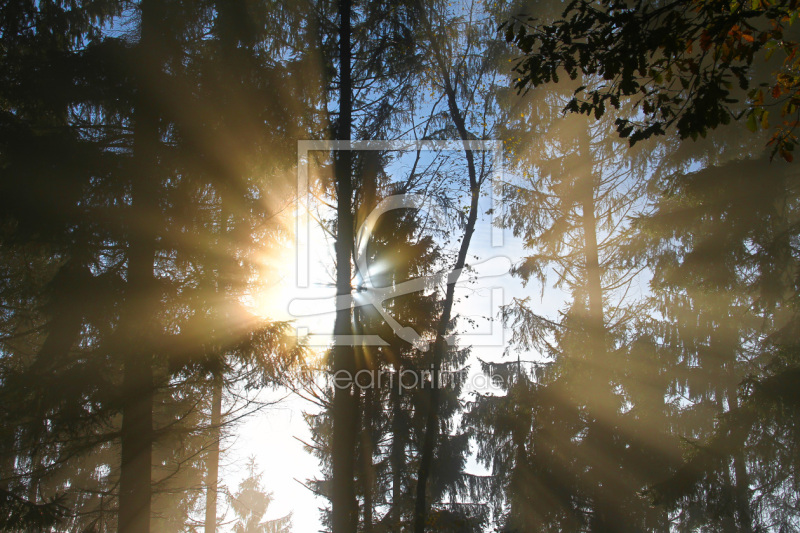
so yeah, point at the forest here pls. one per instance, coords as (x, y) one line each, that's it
(419, 266)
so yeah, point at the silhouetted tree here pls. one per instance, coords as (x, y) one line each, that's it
(251, 503)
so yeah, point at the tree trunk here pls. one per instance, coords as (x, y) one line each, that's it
(398, 454)
(225, 30)
(741, 485)
(138, 318)
(596, 440)
(594, 286)
(367, 468)
(343, 499)
(600, 408)
(212, 474)
(421, 506)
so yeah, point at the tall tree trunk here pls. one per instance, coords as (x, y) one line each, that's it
(421, 505)
(599, 439)
(8, 456)
(138, 319)
(594, 286)
(367, 468)
(518, 489)
(225, 30)
(741, 484)
(36, 468)
(212, 462)
(398, 453)
(595, 441)
(727, 522)
(741, 488)
(343, 499)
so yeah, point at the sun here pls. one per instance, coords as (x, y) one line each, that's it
(276, 295)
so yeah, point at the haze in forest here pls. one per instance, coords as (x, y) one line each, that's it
(407, 266)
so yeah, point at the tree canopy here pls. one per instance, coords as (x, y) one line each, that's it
(690, 64)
